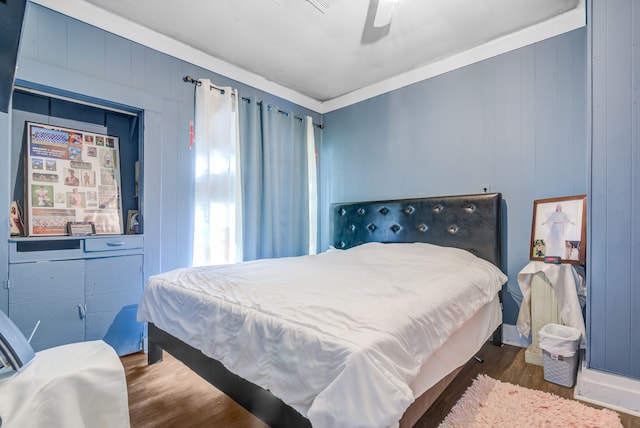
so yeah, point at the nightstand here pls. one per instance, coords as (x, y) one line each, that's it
(550, 294)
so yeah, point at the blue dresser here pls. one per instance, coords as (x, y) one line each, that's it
(77, 289)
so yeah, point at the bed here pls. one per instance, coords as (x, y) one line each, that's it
(356, 360)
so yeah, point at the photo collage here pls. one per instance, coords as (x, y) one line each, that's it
(72, 176)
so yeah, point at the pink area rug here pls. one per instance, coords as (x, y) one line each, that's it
(491, 403)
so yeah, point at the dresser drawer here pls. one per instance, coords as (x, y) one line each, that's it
(113, 243)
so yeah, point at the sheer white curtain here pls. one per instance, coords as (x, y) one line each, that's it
(217, 234)
(313, 186)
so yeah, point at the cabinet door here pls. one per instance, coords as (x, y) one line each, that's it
(113, 290)
(52, 293)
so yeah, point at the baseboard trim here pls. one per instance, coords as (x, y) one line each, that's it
(593, 386)
(608, 390)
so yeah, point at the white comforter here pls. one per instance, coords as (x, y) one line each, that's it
(338, 336)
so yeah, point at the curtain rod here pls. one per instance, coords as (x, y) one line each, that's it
(189, 79)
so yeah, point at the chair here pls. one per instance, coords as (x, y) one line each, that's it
(72, 386)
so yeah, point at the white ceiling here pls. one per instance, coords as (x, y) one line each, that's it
(328, 59)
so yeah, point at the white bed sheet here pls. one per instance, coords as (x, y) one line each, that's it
(341, 362)
(463, 344)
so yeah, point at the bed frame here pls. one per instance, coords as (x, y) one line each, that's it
(471, 222)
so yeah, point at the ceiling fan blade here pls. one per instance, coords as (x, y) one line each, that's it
(322, 5)
(384, 14)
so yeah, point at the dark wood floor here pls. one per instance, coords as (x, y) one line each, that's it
(170, 395)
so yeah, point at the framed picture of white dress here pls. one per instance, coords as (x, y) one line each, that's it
(559, 229)
(72, 176)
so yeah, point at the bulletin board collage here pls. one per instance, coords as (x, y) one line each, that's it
(72, 176)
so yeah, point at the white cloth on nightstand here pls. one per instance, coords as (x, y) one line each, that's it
(565, 283)
(71, 386)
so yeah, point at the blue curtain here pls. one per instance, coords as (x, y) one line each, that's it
(274, 175)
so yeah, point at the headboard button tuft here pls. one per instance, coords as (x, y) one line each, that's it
(351, 227)
(470, 208)
(423, 227)
(453, 229)
(409, 210)
(361, 211)
(371, 227)
(342, 211)
(438, 208)
(384, 210)
(395, 228)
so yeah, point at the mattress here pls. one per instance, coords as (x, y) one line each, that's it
(463, 344)
(342, 336)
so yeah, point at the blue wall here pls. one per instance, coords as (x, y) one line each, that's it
(5, 165)
(614, 296)
(516, 123)
(68, 55)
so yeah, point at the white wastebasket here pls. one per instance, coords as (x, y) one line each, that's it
(560, 356)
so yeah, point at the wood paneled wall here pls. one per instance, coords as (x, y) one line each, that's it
(80, 60)
(515, 123)
(614, 285)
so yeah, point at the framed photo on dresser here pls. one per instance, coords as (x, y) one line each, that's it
(72, 176)
(559, 229)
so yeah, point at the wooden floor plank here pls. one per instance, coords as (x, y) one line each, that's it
(168, 394)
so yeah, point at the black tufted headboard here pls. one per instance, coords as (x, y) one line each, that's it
(471, 222)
